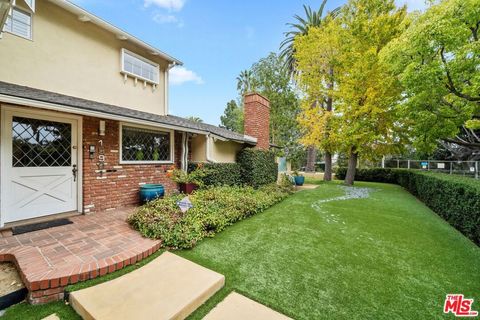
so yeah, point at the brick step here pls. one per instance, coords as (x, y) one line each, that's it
(169, 287)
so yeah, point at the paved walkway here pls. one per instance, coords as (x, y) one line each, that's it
(238, 307)
(169, 287)
(94, 245)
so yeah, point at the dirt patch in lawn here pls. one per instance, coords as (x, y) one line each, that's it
(10, 280)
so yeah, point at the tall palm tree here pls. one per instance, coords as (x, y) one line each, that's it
(300, 28)
(246, 82)
(287, 53)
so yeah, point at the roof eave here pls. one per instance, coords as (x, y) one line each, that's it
(120, 34)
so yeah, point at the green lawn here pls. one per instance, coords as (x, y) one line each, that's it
(383, 257)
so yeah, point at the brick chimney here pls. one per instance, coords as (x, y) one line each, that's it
(257, 119)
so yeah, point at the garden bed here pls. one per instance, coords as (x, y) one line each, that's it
(212, 210)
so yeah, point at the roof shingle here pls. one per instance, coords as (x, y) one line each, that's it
(24, 92)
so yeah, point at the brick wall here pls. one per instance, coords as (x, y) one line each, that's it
(120, 185)
(257, 119)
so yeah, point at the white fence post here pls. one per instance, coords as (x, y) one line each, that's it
(383, 162)
(408, 164)
(476, 169)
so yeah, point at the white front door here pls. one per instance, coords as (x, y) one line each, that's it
(39, 165)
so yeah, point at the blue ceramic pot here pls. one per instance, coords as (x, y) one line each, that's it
(299, 180)
(149, 192)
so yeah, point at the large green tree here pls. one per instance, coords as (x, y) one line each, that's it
(437, 61)
(365, 120)
(273, 80)
(232, 118)
(313, 19)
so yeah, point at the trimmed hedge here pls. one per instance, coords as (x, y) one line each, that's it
(456, 199)
(220, 174)
(373, 175)
(257, 167)
(213, 210)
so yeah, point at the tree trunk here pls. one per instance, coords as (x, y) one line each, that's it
(352, 167)
(328, 167)
(311, 159)
(328, 155)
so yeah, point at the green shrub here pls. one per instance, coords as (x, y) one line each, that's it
(257, 167)
(374, 174)
(220, 174)
(456, 199)
(213, 210)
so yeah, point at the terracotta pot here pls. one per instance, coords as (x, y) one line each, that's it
(188, 188)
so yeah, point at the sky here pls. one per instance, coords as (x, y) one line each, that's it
(215, 39)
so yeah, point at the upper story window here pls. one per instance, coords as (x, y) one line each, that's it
(19, 23)
(139, 67)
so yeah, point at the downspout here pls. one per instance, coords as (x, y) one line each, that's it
(184, 151)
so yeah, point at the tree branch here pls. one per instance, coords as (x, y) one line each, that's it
(462, 143)
(450, 85)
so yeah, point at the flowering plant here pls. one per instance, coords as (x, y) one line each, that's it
(196, 176)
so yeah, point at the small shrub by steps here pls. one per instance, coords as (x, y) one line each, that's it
(456, 199)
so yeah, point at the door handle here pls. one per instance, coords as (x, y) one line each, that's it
(74, 172)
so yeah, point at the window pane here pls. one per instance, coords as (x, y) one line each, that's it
(20, 23)
(21, 16)
(140, 68)
(21, 29)
(8, 25)
(145, 145)
(40, 143)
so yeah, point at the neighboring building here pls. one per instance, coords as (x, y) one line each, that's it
(84, 115)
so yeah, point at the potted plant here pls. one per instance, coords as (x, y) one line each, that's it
(188, 182)
(299, 179)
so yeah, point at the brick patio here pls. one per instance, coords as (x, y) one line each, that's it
(94, 245)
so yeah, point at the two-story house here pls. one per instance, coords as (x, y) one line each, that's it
(84, 115)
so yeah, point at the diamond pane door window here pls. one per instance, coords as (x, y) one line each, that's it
(41, 143)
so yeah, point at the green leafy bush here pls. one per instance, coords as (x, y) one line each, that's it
(220, 174)
(456, 199)
(257, 167)
(374, 174)
(213, 210)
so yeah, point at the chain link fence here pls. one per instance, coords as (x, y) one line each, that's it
(464, 168)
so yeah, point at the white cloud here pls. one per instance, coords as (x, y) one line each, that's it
(164, 18)
(413, 4)
(181, 75)
(173, 5)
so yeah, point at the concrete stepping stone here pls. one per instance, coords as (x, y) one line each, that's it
(238, 307)
(52, 317)
(169, 287)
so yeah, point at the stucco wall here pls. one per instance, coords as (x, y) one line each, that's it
(78, 59)
(225, 151)
(198, 148)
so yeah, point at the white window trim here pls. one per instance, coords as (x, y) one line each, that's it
(32, 7)
(10, 16)
(131, 125)
(135, 76)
